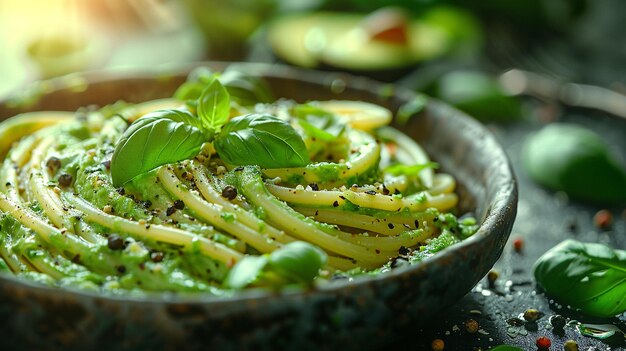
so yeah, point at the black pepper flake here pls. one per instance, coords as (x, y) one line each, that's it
(146, 204)
(76, 259)
(170, 211)
(314, 186)
(53, 164)
(65, 180)
(417, 224)
(121, 269)
(142, 266)
(229, 192)
(370, 192)
(336, 204)
(115, 242)
(157, 256)
(377, 251)
(7, 184)
(390, 225)
(179, 204)
(403, 251)
(121, 191)
(397, 192)
(385, 190)
(238, 169)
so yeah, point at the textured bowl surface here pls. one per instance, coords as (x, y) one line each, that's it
(362, 314)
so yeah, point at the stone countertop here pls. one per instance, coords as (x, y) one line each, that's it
(544, 219)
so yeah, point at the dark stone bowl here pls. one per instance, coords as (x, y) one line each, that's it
(362, 314)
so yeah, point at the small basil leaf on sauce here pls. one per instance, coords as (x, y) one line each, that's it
(214, 106)
(262, 140)
(195, 84)
(409, 170)
(590, 277)
(318, 123)
(245, 89)
(298, 262)
(246, 272)
(575, 160)
(158, 138)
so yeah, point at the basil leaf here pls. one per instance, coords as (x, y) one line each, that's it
(158, 138)
(587, 276)
(246, 272)
(577, 161)
(262, 140)
(298, 262)
(318, 123)
(195, 84)
(245, 89)
(214, 106)
(409, 170)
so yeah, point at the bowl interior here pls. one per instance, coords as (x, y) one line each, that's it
(392, 301)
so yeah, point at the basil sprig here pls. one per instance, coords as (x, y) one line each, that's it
(587, 276)
(156, 139)
(263, 140)
(168, 136)
(296, 263)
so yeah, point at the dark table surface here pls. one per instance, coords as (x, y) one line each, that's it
(544, 219)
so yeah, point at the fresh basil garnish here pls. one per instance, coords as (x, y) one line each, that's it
(318, 123)
(158, 138)
(262, 140)
(244, 88)
(295, 263)
(587, 276)
(298, 261)
(214, 106)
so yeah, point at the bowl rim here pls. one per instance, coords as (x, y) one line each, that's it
(502, 207)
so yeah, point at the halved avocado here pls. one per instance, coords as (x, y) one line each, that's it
(363, 43)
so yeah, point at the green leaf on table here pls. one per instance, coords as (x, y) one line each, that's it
(214, 106)
(261, 140)
(318, 123)
(590, 277)
(156, 139)
(573, 159)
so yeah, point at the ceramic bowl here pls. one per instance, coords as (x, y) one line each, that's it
(365, 313)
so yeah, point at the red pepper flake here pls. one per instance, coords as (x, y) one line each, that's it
(518, 245)
(437, 345)
(543, 343)
(603, 219)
